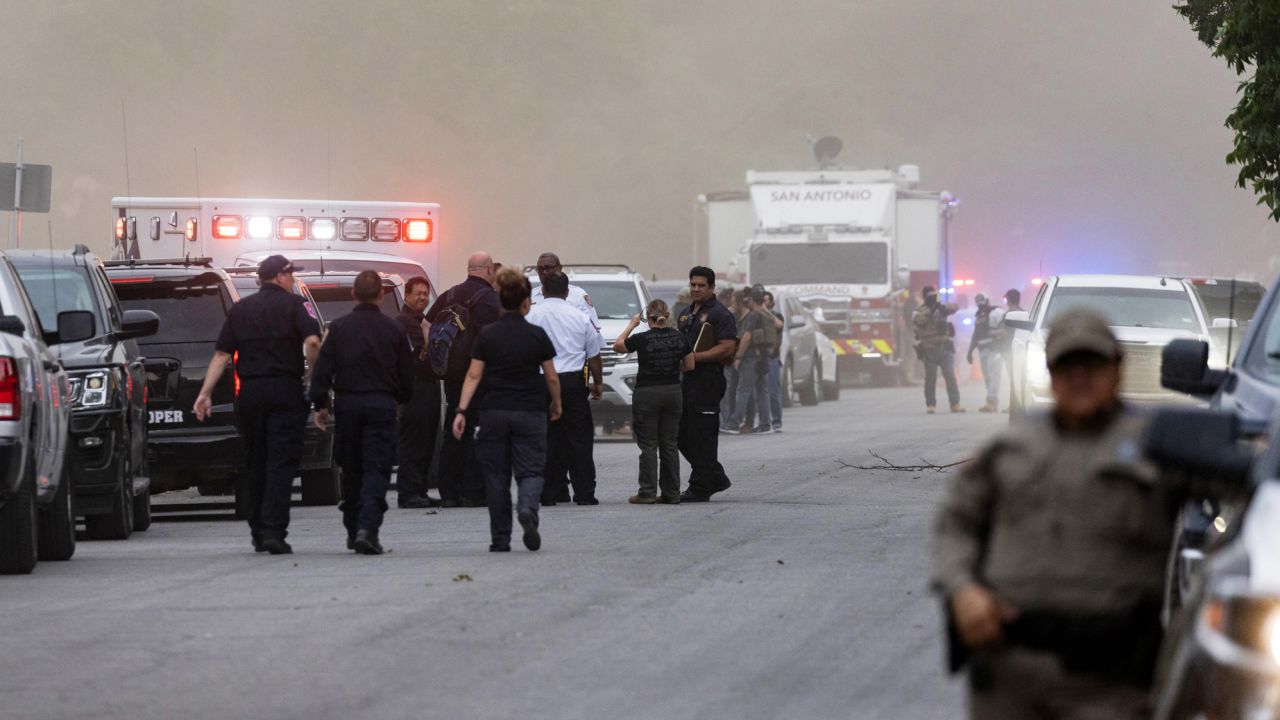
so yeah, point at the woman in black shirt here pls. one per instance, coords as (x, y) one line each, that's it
(507, 356)
(656, 403)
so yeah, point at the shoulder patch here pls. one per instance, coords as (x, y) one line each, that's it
(311, 310)
(587, 298)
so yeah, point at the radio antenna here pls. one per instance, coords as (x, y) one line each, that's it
(53, 281)
(128, 188)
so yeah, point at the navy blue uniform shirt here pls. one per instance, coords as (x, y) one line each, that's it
(484, 310)
(365, 352)
(711, 312)
(513, 350)
(268, 329)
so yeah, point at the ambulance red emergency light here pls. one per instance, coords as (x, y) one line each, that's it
(399, 238)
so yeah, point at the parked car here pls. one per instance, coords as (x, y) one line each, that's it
(1222, 651)
(321, 478)
(111, 485)
(808, 358)
(1145, 313)
(328, 261)
(37, 520)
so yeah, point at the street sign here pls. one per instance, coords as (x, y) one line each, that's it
(37, 180)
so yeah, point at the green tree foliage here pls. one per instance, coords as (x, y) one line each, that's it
(1246, 33)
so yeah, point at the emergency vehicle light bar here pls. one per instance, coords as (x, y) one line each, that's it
(418, 230)
(259, 227)
(355, 228)
(227, 227)
(291, 228)
(190, 232)
(323, 228)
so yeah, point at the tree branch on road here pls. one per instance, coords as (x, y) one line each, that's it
(887, 464)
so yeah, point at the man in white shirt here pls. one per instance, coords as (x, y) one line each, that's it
(549, 264)
(570, 439)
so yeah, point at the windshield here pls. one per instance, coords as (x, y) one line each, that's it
(188, 312)
(335, 301)
(858, 263)
(405, 270)
(55, 290)
(1128, 307)
(1218, 303)
(617, 300)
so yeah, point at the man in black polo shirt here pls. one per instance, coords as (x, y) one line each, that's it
(268, 333)
(704, 385)
(420, 416)
(461, 482)
(367, 361)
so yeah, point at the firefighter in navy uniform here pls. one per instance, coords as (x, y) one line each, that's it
(269, 333)
(368, 362)
(703, 385)
(420, 416)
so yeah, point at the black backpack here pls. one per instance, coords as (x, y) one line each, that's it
(450, 338)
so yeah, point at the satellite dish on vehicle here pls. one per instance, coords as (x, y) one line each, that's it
(826, 149)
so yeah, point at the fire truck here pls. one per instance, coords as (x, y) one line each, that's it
(393, 237)
(854, 245)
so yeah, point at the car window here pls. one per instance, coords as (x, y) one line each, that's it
(1128, 307)
(1225, 299)
(190, 311)
(109, 297)
(58, 289)
(334, 301)
(616, 300)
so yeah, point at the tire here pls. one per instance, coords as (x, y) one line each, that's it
(786, 391)
(322, 487)
(142, 512)
(18, 537)
(831, 390)
(57, 522)
(809, 392)
(117, 524)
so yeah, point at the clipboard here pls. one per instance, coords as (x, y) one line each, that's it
(706, 338)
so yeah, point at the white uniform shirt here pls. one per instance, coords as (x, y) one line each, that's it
(577, 298)
(570, 331)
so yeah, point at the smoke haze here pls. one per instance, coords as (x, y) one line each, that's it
(1080, 136)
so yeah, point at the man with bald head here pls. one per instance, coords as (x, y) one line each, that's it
(475, 303)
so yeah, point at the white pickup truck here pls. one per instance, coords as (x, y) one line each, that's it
(36, 519)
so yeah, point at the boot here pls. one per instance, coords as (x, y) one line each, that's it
(367, 543)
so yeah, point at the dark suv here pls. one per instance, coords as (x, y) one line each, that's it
(192, 299)
(108, 396)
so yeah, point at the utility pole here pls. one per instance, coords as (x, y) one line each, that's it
(15, 221)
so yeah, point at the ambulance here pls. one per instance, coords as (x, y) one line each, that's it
(398, 238)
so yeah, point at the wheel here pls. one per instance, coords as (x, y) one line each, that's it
(57, 522)
(831, 390)
(18, 540)
(117, 524)
(322, 487)
(142, 512)
(786, 391)
(809, 392)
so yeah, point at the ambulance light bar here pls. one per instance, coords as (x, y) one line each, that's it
(386, 229)
(323, 228)
(259, 227)
(120, 228)
(227, 227)
(296, 227)
(417, 230)
(190, 233)
(291, 228)
(355, 228)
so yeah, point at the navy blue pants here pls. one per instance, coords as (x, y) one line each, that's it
(699, 438)
(272, 414)
(511, 442)
(571, 442)
(419, 424)
(365, 447)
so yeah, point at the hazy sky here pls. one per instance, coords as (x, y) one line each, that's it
(1081, 136)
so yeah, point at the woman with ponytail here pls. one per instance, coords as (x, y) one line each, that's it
(504, 379)
(656, 403)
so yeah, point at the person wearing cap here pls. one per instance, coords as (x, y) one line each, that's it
(983, 341)
(935, 347)
(1049, 549)
(269, 334)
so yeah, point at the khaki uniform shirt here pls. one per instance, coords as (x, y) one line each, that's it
(1056, 521)
(930, 324)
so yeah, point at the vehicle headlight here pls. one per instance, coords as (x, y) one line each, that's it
(1037, 366)
(1249, 622)
(95, 389)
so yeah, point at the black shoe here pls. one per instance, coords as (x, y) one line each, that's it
(547, 503)
(721, 488)
(366, 543)
(500, 547)
(689, 496)
(257, 542)
(450, 504)
(563, 495)
(413, 502)
(586, 501)
(351, 542)
(472, 502)
(532, 539)
(276, 546)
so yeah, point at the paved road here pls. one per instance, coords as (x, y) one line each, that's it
(800, 593)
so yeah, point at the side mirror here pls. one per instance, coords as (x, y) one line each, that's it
(1223, 323)
(12, 325)
(1019, 319)
(1198, 441)
(138, 323)
(75, 325)
(1184, 368)
(799, 321)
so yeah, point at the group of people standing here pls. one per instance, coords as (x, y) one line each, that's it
(753, 403)
(517, 366)
(935, 347)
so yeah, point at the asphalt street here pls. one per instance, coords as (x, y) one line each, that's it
(799, 593)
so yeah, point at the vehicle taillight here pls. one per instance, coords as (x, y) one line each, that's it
(227, 227)
(291, 228)
(354, 228)
(235, 358)
(259, 227)
(120, 226)
(417, 230)
(10, 393)
(386, 229)
(190, 234)
(323, 228)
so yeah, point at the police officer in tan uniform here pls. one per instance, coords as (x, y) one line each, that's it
(1050, 548)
